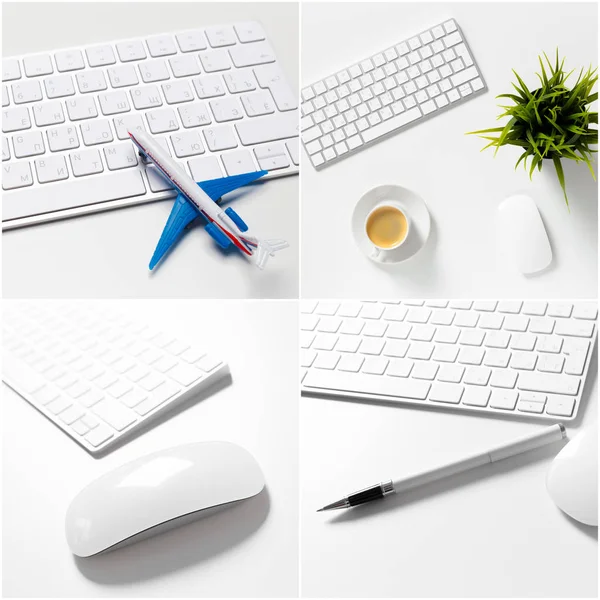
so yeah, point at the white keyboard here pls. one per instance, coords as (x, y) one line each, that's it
(374, 98)
(215, 98)
(508, 357)
(96, 374)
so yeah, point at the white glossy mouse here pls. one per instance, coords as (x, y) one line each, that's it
(522, 232)
(158, 492)
(573, 477)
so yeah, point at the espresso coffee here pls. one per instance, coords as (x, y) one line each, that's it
(387, 227)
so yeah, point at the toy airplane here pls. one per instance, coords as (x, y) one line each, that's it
(200, 199)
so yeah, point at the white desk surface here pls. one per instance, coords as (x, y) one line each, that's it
(461, 186)
(107, 254)
(248, 550)
(490, 532)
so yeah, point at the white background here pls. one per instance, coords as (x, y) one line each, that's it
(461, 186)
(248, 550)
(490, 532)
(107, 254)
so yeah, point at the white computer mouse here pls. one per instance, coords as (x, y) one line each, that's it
(157, 492)
(573, 477)
(522, 233)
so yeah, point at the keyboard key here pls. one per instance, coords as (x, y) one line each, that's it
(451, 373)
(424, 370)
(57, 87)
(215, 60)
(131, 51)
(11, 69)
(184, 374)
(205, 168)
(162, 120)
(49, 113)
(560, 309)
(99, 435)
(549, 383)
(27, 144)
(37, 65)
(443, 392)
(91, 81)
(120, 156)
(69, 60)
(252, 54)
(161, 45)
(80, 108)
(220, 36)
(249, 32)
(122, 76)
(530, 407)
(477, 375)
(86, 162)
(71, 414)
(532, 307)
(100, 56)
(14, 175)
(574, 328)
(375, 365)
(503, 378)
(90, 397)
(126, 184)
(59, 405)
(476, 396)
(271, 157)
(79, 427)
(208, 364)
(267, 129)
(575, 363)
(159, 396)
(194, 115)
(505, 399)
(588, 311)
(114, 414)
(154, 70)
(191, 41)
(220, 137)
(133, 397)
(146, 97)
(560, 406)
(393, 387)
(96, 132)
(26, 91)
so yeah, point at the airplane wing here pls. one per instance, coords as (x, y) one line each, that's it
(182, 214)
(215, 188)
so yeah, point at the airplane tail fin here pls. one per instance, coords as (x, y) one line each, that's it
(266, 248)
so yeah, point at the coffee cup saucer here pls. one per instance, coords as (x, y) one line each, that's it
(408, 202)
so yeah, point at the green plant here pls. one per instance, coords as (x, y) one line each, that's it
(551, 122)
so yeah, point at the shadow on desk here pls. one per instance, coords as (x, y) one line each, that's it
(179, 548)
(420, 268)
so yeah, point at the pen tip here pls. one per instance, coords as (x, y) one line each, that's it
(335, 505)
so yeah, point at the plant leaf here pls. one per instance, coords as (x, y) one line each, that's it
(561, 176)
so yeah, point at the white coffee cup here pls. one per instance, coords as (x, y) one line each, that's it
(373, 228)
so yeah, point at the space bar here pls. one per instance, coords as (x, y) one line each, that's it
(381, 385)
(71, 194)
(391, 124)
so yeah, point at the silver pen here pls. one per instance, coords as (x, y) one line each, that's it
(548, 435)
